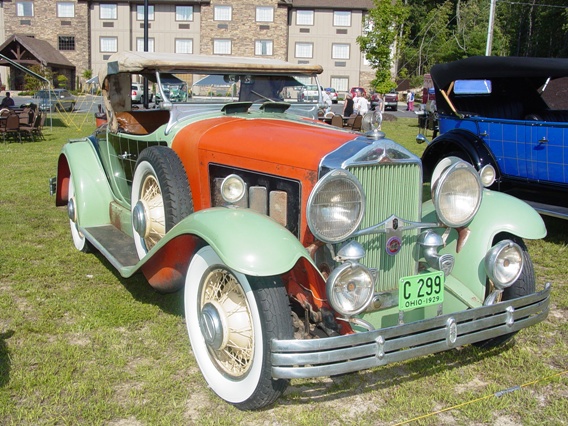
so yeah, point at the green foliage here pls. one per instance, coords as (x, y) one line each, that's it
(32, 83)
(384, 26)
(62, 81)
(438, 31)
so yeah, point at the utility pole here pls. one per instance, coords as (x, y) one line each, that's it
(490, 28)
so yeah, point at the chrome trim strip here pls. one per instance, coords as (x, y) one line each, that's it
(344, 354)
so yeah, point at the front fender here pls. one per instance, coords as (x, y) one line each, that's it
(246, 241)
(498, 213)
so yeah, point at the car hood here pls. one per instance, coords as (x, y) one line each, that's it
(300, 144)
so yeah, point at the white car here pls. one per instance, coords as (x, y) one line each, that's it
(138, 93)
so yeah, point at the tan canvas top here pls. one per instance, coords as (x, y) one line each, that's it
(149, 62)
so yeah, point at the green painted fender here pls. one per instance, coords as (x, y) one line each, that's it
(92, 192)
(246, 241)
(498, 213)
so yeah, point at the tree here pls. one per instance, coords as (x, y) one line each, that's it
(383, 39)
(31, 83)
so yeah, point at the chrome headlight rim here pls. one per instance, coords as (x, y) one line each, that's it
(443, 174)
(334, 282)
(498, 258)
(311, 214)
(233, 188)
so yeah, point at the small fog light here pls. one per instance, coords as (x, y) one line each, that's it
(233, 188)
(504, 263)
(350, 288)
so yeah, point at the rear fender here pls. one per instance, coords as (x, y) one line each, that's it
(92, 191)
(473, 149)
(498, 213)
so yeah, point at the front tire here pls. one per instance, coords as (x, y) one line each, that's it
(231, 319)
(160, 196)
(524, 286)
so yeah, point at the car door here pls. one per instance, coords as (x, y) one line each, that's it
(507, 141)
(547, 149)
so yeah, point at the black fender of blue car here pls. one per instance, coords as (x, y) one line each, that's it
(460, 143)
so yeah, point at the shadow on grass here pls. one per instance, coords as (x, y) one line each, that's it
(386, 377)
(142, 291)
(4, 358)
(556, 230)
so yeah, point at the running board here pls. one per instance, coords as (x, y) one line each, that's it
(549, 209)
(115, 245)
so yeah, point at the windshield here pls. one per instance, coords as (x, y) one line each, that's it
(193, 88)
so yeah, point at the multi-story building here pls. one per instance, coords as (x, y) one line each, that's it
(87, 32)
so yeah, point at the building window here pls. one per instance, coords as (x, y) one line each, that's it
(109, 44)
(304, 50)
(66, 43)
(223, 13)
(184, 45)
(263, 47)
(340, 51)
(264, 14)
(24, 8)
(341, 18)
(341, 84)
(221, 47)
(304, 17)
(140, 44)
(108, 11)
(140, 13)
(184, 13)
(65, 9)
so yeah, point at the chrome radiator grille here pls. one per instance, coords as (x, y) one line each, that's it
(391, 189)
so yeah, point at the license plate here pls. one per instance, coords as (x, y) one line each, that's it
(421, 290)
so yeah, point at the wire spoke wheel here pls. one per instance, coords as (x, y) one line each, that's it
(221, 289)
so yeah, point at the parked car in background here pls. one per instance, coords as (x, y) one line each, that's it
(391, 100)
(303, 249)
(138, 93)
(509, 114)
(360, 91)
(332, 94)
(55, 100)
(310, 92)
(173, 89)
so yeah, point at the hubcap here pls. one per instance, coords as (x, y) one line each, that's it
(139, 219)
(71, 211)
(211, 325)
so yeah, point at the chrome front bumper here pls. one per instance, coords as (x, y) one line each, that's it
(354, 352)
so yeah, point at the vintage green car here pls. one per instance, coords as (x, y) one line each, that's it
(303, 249)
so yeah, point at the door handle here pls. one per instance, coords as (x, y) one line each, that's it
(484, 134)
(543, 140)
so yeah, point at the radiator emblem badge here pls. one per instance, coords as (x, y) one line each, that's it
(394, 244)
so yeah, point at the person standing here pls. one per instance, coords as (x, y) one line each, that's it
(362, 105)
(348, 105)
(411, 101)
(327, 101)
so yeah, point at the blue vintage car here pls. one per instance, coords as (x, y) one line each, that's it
(509, 115)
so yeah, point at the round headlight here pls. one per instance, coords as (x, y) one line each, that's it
(349, 288)
(504, 263)
(487, 175)
(233, 188)
(336, 206)
(456, 193)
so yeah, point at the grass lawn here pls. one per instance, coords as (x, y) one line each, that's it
(79, 345)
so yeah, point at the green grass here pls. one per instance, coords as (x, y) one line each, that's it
(80, 345)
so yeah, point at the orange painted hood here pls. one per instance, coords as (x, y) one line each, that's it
(268, 140)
